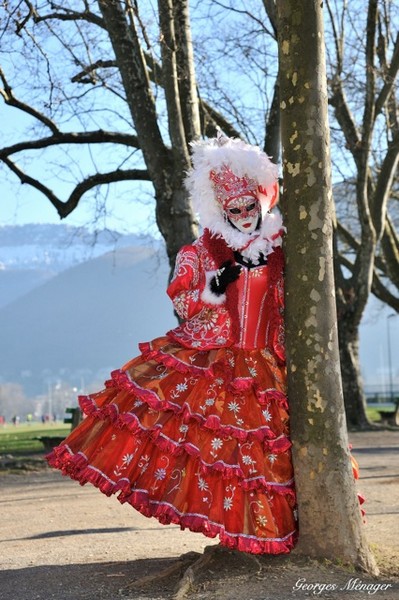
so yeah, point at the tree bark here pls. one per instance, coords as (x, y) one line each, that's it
(355, 401)
(322, 466)
(167, 167)
(186, 70)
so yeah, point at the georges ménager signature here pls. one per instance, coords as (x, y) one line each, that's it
(354, 585)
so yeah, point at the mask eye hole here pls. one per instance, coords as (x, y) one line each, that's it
(235, 211)
(250, 206)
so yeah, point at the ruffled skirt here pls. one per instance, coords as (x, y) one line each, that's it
(197, 438)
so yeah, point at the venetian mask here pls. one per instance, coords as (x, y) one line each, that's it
(243, 213)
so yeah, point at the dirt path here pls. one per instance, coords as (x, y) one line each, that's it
(61, 541)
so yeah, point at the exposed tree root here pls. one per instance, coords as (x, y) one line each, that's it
(179, 566)
(219, 558)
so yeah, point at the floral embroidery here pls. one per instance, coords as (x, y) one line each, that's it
(143, 463)
(267, 414)
(247, 460)
(209, 318)
(216, 443)
(126, 460)
(211, 395)
(194, 295)
(204, 487)
(251, 363)
(160, 474)
(272, 458)
(227, 503)
(233, 407)
(228, 500)
(258, 509)
(202, 484)
(255, 273)
(183, 430)
(181, 387)
(177, 475)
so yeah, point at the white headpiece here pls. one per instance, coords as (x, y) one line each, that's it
(224, 169)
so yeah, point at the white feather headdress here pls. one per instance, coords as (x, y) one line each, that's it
(244, 160)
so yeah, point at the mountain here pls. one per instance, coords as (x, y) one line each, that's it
(32, 254)
(86, 319)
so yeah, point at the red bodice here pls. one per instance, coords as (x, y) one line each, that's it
(252, 288)
(249, 315)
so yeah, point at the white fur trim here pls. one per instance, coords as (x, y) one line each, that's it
(263, 241)
(207, 295)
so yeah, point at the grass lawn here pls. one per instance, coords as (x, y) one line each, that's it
(21, 440)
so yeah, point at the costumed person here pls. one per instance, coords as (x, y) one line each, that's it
(194, 431)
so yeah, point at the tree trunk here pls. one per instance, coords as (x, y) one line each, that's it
(320, 444)
(355, 401)
(167, 167)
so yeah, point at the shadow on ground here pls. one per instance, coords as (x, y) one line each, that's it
(92, 581)
(228, 576)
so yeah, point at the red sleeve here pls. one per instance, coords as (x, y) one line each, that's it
(187, 283)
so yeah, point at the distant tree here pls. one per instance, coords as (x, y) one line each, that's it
(363, 68)
(13, 401)
(328, 511)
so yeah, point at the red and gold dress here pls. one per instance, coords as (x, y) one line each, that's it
(194, 431)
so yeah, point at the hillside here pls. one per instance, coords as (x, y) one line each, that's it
(87, 319)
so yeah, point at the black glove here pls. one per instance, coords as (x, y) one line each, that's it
(226, 274)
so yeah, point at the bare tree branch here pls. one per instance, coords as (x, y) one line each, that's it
(66, 15)
(81, 137)
(65, 208)
(101, 179)
(383, 186)
(24, 178)
(186, 71)
(11, 100)
(382, 293)
(389, 80)
(271, 11)
(170, 84)
(88, 73)
(390, 248)
(345, 118)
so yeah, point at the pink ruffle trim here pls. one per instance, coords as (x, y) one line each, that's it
(132, 422)
(121, 381)
(149, 353)
(76, 467)
(236, 385)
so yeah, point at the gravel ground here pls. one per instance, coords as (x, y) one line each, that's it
(64, 542)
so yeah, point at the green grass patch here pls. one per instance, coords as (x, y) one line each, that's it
(374, 415)
(21, 440)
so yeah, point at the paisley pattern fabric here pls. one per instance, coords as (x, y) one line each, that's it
(195, 430)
